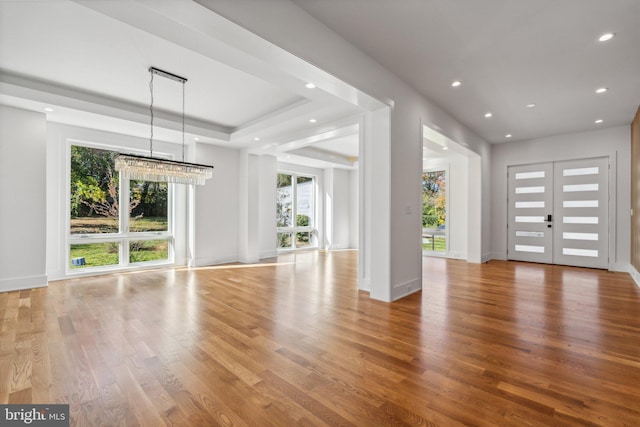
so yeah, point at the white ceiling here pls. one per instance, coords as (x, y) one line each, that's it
(88, 60)
(71, 45)
(65, 54)
(507, 54)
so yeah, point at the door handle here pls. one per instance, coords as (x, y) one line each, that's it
(549, 218)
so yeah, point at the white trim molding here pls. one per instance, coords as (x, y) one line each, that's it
(21, 283)
(403, 289)
(634, 274)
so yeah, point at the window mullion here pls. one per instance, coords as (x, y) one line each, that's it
(124, 219)
(294, 209)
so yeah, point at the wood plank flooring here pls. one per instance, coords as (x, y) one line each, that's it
(294, 343)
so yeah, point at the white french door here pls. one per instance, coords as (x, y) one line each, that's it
(558, 213)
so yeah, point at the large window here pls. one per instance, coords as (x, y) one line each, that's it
(434, 211)
(115, 222)
(295, 212)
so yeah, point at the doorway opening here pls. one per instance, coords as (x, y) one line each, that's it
(451, 204)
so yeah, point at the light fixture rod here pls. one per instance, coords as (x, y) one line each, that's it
(168, 75)
(168, 161)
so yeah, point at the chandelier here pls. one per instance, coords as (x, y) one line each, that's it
(158, 169)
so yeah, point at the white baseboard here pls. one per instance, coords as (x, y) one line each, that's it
(634, 274)
(20, 283)
(364, 284)
(268, 254)
(403, 289)
(502, 256)
(206, 262)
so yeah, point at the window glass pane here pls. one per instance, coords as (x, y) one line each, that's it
(520, 205)
(434, 199)
(148, 206)
(580, 252)
(94, 254)
(304, 201)
(579, 187)
(581, 171)
(94, 187)
(148, 250)
(530, 175)
(529, 190)
(529, 233)
(528, 248)
(434, 210)
(529, 219)
(580, 203)
(304, 239)
(284, 201)
(579, 219)
(580, 236)
(284, 240)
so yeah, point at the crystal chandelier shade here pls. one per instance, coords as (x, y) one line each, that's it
(163, 170)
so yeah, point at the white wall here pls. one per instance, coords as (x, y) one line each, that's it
(395, 211)
(613, 143)
(338, 203)
(59, 138)
(216, 208)
(23, 136)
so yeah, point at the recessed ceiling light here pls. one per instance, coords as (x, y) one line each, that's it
(312, 120)
(196, 139)
(256, 139)
(48, 109)
(445, 148)
(488, 115)
(456, 83)
(531, 105)
(310, 86)
(602, 90)
(606, 37)
(508, 135)
(598, 121)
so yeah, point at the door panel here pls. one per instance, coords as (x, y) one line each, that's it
(581, 205)
(530, 201)
(558, 213)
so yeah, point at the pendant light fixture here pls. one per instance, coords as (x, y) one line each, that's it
(163, 170)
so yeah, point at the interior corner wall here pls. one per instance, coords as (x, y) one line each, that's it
(23, 213)
(611, 142)
(216, 207)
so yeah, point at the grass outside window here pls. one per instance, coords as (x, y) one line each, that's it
(95, 254)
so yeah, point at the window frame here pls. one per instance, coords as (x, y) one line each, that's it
(123, 237)
(445, 168)
(313, 229)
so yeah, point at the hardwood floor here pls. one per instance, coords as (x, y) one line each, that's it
(295, 343)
